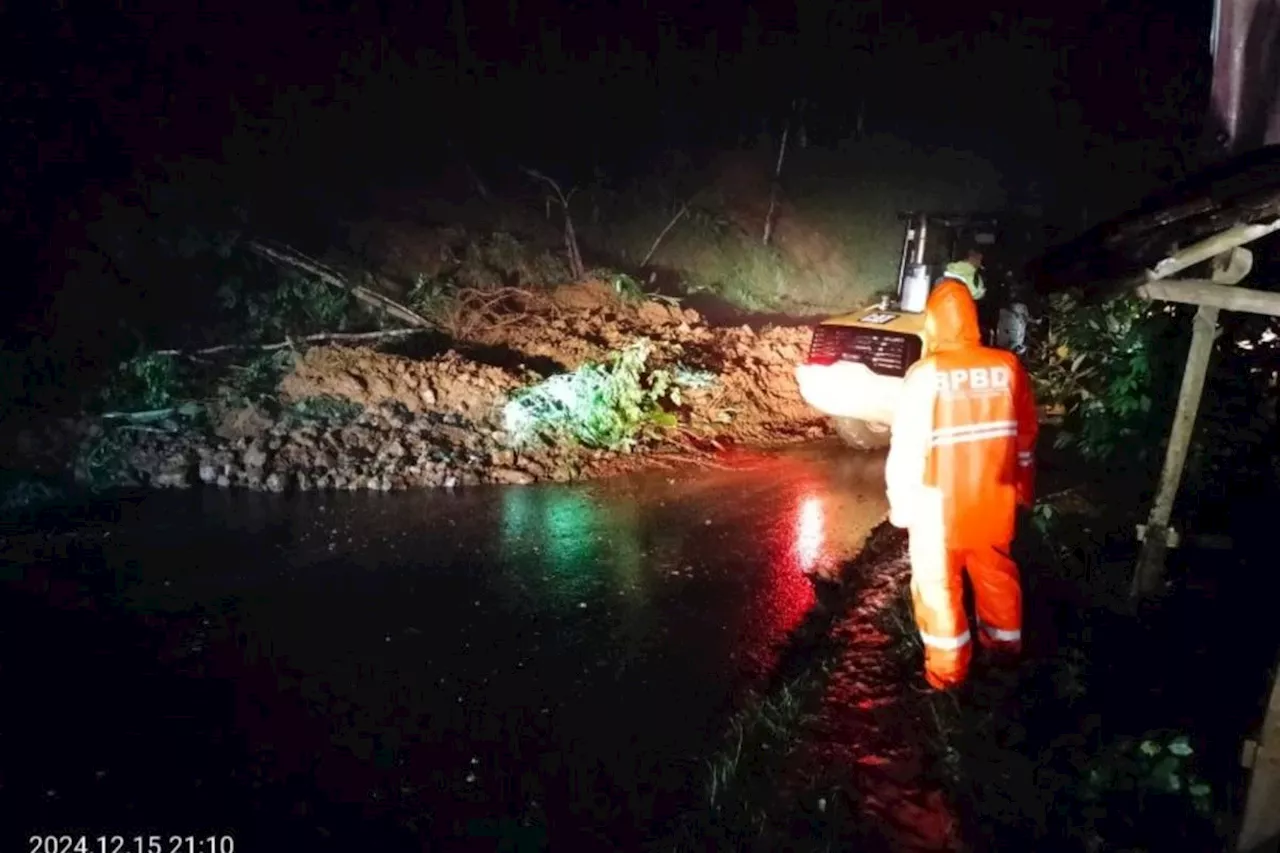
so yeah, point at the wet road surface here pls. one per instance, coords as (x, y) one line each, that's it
(547, 664)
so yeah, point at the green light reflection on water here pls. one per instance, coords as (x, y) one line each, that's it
(576, 540)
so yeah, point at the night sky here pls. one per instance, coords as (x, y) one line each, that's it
(1083, 105)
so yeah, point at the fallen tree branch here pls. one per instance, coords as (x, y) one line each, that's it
(684, 208)
(141, 417)
(323, 337)
(289, 257)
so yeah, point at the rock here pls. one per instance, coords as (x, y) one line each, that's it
(302, 482)
(502, 458)
(224, 481)
(173, 479)
(535, 468)
(208, 472)
(427, 395)
(275, 482)
(652, 313)
(241, 424)
(254, 457)
(511, 476)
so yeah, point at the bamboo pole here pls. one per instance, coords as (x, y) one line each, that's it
(1149, 572)
(1208, 292)
(1155, 543)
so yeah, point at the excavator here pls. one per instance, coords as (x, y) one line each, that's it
(856, 362)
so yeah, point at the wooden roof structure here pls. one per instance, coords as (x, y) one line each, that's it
(1210, 218)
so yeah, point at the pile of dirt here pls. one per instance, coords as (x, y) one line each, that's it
(448, 384)
(438, 420)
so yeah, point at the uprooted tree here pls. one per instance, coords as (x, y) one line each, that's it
(576, 267)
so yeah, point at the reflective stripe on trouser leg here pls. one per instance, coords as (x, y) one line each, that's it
(937, 593)
(997, 593)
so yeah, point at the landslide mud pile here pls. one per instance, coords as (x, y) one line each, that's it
(437, 419)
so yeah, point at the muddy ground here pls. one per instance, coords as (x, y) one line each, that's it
(430, 407)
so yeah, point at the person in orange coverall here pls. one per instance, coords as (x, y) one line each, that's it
(961, 460)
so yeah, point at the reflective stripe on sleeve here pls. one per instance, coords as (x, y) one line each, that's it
(947, 643)
(1026, 458)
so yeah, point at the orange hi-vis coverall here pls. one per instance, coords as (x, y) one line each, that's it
(960, 462)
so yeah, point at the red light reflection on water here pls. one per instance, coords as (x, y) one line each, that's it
(795, 545)
(810, 532)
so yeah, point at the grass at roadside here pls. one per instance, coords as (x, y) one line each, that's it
(1072, 750)
(755, 795)
(1075, 750)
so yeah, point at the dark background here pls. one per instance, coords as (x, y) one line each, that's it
(1085, 106)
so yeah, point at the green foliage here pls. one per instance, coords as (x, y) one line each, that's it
(296, 305)
(144, 382)
(1131, 780)
(162, 384)
(1108, 367)
(609, 405)
(627, 287)
(102, 461)
(255, 382)
(1042, 519)
(431, 293)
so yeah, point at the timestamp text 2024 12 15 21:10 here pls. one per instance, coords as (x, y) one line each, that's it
(56, 843)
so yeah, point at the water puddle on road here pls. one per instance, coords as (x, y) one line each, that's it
(549, 659)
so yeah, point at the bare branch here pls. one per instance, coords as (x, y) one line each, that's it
(555, 187)
(576, 267)
(684, 208)
(290, 257)
(773, 190)
(326, 337)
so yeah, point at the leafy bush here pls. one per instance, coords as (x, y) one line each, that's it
(608, 405)
(1109, 367)
(102, 461)
(161, 383)
(256, 381)
(144, 382)
(296, 305)
(1117, 794)
(430, 294)
(1159, 763)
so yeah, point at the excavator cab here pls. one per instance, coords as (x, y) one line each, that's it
(856, 363)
